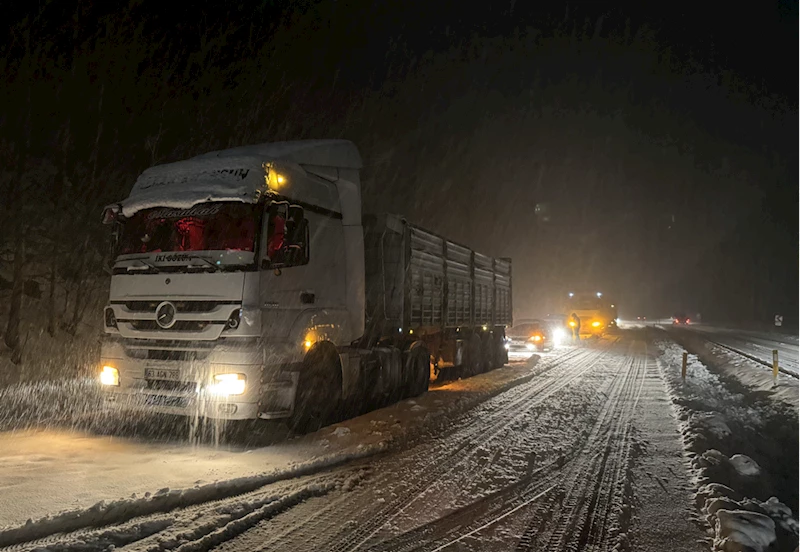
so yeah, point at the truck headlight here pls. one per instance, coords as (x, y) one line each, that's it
(109, 376)
(228, 384)
(595, 324)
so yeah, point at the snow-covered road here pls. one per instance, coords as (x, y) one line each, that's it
(579, 449)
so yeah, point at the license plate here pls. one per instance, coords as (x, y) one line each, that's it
(161, 374)
(166, 400)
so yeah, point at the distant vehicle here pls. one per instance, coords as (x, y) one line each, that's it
(641, 318)
(680, 319)
(529, 336)
(559, 326)
(595, 311)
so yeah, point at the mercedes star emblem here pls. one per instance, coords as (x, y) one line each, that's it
(165, 315)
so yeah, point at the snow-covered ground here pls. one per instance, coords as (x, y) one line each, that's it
(742, 444)
(596, 447)
(80, 469)
(755, 377)
(758, 345)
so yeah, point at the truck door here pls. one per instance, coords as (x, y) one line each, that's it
(298, 266)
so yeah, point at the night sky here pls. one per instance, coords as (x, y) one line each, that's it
(653, 156)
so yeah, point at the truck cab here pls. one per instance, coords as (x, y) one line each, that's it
(216, 257)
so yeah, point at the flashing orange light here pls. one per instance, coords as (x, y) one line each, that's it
(536, 337)
(572, 323)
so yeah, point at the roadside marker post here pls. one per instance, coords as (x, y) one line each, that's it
(775, 365)
(683, 365)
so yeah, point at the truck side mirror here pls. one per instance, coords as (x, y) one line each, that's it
(297, 244)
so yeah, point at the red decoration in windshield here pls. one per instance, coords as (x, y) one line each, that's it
(232, 227)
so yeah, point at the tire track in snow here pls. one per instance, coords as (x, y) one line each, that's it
(198, 527)
(545, 482)
(431, 461)
(127, 515)
(578, 516)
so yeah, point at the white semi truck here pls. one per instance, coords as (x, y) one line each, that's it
(246, 284)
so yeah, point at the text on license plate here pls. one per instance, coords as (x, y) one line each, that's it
(162, 374)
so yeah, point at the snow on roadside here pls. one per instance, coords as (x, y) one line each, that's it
(753, 376)
(712, 416)
(741, 529)
(98, 473)
(164, 500)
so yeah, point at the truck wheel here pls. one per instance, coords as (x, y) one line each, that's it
(318, 399)
(488, 353)
(474, 358)
(418, 370)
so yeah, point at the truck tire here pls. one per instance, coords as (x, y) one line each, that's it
(417, 370)
(473, 361)
(318, 399)
(488, 353)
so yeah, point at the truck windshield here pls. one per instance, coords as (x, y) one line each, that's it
(205, 227)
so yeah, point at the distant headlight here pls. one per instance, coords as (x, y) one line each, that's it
(559, 335)
(228, 384)
(109, 376)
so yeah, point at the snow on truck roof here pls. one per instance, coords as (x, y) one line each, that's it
(235, 174)
(322, 153)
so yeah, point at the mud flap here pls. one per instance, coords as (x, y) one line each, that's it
(278, 396)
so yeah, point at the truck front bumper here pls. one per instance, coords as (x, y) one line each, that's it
(194, 396)
(145, 402)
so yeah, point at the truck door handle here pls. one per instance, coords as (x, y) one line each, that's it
(307, 298)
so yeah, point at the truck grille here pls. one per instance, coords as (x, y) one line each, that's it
(180, 306)
(158, 354)
(167, 350)
(179, 326)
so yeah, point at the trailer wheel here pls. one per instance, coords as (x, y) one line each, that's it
(473, 363)
(418, 370)
(488, 353)
(319, 391)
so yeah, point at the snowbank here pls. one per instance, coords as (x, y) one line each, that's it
(742, 531)
(713, 416)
